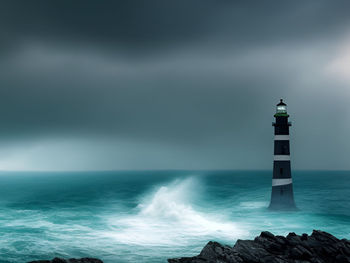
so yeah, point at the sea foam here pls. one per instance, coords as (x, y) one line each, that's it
(167, 216)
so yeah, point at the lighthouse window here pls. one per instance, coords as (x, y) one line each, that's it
(281, 170)
(281, 109)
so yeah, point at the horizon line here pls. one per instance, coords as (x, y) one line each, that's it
(163, 170)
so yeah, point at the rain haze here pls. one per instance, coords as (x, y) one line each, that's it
(131, 85)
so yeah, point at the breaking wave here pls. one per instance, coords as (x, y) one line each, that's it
(167, 216)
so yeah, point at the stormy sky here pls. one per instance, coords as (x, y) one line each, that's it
(110, 85)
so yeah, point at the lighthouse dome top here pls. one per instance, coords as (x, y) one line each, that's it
(281, 103)
(281, 109)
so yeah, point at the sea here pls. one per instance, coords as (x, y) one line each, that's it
(149, 216)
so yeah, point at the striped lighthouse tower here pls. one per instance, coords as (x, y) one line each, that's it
(282, 186)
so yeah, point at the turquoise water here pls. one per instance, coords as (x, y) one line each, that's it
(150, 216)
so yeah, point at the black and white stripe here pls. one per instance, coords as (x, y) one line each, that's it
(282, 184)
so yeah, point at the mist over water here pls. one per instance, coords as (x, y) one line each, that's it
(150, 216)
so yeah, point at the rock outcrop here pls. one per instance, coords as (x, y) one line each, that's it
(71, 260)
(319, 247)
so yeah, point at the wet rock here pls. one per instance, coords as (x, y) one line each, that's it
(319, 247)
(212, 252)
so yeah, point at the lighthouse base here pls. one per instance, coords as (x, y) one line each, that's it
(282, 198)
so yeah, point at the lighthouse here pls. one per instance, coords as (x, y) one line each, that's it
(282, 185)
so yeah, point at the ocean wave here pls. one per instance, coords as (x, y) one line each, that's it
(167, 217)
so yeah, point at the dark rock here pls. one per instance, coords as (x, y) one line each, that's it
(212, 252)
(267, 235)
(71, 260)
(319, 247)
(304, 237)
(85, 260)
(300, 252)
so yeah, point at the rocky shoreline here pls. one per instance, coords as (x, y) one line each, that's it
(319, 247)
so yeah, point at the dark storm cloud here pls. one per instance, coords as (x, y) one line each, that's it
(145, 24)
(188, 80)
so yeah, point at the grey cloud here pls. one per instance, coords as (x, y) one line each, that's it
(170, 84)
